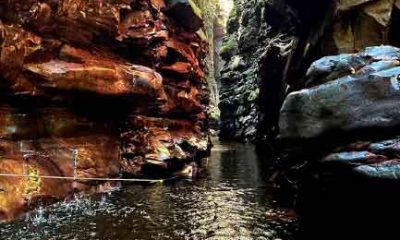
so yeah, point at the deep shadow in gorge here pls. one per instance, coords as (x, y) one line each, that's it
(348, 207)
(98, 90)
(337, 151)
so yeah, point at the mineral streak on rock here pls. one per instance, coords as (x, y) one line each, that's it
(97, 88)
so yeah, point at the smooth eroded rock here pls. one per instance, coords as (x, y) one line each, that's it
(352, 157)
(359, 101)
(389, 170)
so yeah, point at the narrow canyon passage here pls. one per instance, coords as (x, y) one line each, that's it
(199, 119)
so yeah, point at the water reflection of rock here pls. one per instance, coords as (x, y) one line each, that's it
(230, 202)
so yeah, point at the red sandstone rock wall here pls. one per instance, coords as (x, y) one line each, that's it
(117, 85)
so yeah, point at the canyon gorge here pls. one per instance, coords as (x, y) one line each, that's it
(261, 119)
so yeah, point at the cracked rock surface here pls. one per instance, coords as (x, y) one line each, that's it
(97, 89)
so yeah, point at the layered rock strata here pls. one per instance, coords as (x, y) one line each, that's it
(96, 89)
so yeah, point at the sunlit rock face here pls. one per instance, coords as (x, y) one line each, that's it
(97, 89)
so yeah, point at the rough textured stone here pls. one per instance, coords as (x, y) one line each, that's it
(386, 147)
(352, 157)
(96, 156)
(389, 170)
(362, 100)
(186, 13)
(97, 88)
(350, 114)
(278, 40)
(255, 44)
(377, 160)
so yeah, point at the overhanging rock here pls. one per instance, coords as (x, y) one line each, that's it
(96, 89)
(186, 13)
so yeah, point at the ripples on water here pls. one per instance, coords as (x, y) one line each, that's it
(231, 203)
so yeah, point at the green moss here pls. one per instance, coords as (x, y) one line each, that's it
(196, 9)
(229, 47)
(233, 21)
(214, 114)
(253, 95)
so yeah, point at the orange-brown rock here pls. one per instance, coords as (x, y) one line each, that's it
(17, 124)
(71, 69)
(95, 156)
(95, 89)
(168, 142)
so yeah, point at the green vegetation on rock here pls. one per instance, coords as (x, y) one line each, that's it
(229, 47)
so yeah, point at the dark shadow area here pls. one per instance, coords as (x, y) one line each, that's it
(346, 206)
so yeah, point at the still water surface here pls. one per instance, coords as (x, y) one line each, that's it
(234, 201)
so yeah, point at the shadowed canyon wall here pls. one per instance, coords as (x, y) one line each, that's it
(215, 14)
(318, 83)
(256, 32)
(271, 43)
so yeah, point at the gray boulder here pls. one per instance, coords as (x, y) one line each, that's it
(365, 98)
(353, 157)
(372, 59)
(388, 147)
(386, 170)
(374, 160)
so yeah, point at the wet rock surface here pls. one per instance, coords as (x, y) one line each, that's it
(340, 135)
(375, 160)
(271, 44)
(96, 89)
(352, 107)
(363, 94)
(259, 38)
(342, 100)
